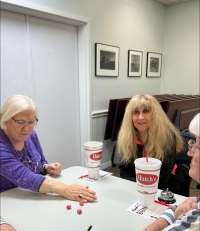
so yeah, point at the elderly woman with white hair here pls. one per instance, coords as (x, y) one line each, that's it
(21, 157)
(186, 216)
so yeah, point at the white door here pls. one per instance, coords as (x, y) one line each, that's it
(51, 79)
(14, 57)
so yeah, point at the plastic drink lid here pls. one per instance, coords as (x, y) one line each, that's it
(93, 145)
(152, 163)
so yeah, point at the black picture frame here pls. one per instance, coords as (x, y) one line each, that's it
(106, 60)
(135, 63)
(154, 64)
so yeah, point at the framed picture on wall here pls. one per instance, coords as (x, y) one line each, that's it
(154, 64)
(106, 60)
(134, 63)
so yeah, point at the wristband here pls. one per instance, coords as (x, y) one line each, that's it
(45, 166)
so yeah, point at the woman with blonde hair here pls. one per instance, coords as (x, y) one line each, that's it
(145, 126)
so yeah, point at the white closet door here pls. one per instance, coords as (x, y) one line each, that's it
(55, 75)
(39, 59)
(14, 57)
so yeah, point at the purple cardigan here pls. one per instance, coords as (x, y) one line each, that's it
(13, 172)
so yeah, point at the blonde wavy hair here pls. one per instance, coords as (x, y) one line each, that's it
(161, 134)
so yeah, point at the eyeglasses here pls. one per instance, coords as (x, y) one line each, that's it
(22, 123)
(191, 144)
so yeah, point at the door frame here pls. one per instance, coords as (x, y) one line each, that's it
(84, 56)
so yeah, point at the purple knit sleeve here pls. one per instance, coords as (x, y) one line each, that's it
(13, 172)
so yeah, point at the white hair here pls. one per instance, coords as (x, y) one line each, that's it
(194, 126)
(14, 105)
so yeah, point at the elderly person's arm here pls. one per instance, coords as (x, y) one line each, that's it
(4, 226)
(14, 173)
(157, 225)
(189, 204)
(71, 192)
(169, 217)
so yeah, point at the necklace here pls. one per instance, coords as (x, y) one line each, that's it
(23, 156)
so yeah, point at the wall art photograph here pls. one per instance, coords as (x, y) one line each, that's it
(106, 60)
(134, 63)
(154, 63)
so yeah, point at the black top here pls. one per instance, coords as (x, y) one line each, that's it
(166, 180)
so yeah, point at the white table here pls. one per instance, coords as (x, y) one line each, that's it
(29, 211)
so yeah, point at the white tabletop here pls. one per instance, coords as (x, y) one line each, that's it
(29, 211)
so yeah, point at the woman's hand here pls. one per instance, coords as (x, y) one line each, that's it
(189, 204)
(54, 169)
(74, 191)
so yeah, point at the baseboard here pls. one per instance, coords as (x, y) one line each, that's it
(106, 165)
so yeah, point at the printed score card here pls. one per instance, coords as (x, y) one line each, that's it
(153, 212)
(102, 174)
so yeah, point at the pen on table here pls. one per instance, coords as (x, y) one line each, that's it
(162, 203)
(89, 228)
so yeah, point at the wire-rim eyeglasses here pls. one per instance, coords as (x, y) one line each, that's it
(23, 123)
(191, 144)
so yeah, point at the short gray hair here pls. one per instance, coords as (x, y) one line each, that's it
(194, 126)
(14, 105)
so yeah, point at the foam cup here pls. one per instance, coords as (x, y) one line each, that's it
(93, 156)
(147, 177)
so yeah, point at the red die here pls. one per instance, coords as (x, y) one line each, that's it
(79, 211)
(68, 207)
(81, 203)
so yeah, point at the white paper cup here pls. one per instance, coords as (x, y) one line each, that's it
(147, 177)
(93, 156)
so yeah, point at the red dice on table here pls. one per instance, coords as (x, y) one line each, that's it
(81, 203)
(68, 207)
(79, 211)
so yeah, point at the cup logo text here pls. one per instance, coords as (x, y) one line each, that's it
(96, 156)
(146, 179)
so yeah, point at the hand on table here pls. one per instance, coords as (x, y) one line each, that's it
(157, 225)
(189, 204)
(54, 169)
(73, 191)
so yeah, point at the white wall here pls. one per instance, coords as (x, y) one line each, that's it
(137, 25)
(128, 24)
(181, 49)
